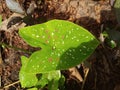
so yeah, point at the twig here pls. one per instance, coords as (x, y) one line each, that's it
(76, 74)
(87, 70)
(11, 84)
(14, 48)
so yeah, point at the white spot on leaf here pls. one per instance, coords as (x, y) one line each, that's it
(62, 42)
(84, 46)
(37, 36)
(52, 34)
(78, 40)
(86, 37)
(58, 54)
(73, 57)
(43, 36)
(33, 35)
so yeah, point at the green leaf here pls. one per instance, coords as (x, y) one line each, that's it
(62, 82)
(53, 85)
(26, 79)
(49, 78)
(53, 78)
(113, 35)
(32, 89)
(64, 45)
(56, 75)
(43, 81)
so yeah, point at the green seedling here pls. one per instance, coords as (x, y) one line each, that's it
(112, 37)
(63, 45)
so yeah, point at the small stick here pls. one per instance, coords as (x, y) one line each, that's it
(11, 84)
(87, 70)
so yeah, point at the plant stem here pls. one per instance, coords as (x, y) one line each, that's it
(16, 48)
(83, 84)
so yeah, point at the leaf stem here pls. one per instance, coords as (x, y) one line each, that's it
(16, 48)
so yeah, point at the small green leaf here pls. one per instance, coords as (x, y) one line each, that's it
(49, 77)
(113, 44)
(54, 75)
(26, 79)
(32, 89)
(64, 45)
(53, 80)
(62, 82)
(53, 85)
(43, 81)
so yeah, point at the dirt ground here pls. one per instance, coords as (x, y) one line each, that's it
(94, 15)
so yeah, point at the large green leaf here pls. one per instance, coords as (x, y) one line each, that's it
(64, 45)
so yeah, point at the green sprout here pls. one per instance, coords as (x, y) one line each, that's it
(63, 45)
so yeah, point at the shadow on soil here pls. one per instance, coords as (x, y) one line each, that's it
(101, 75)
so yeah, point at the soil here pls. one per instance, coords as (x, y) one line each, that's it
(94, 15)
